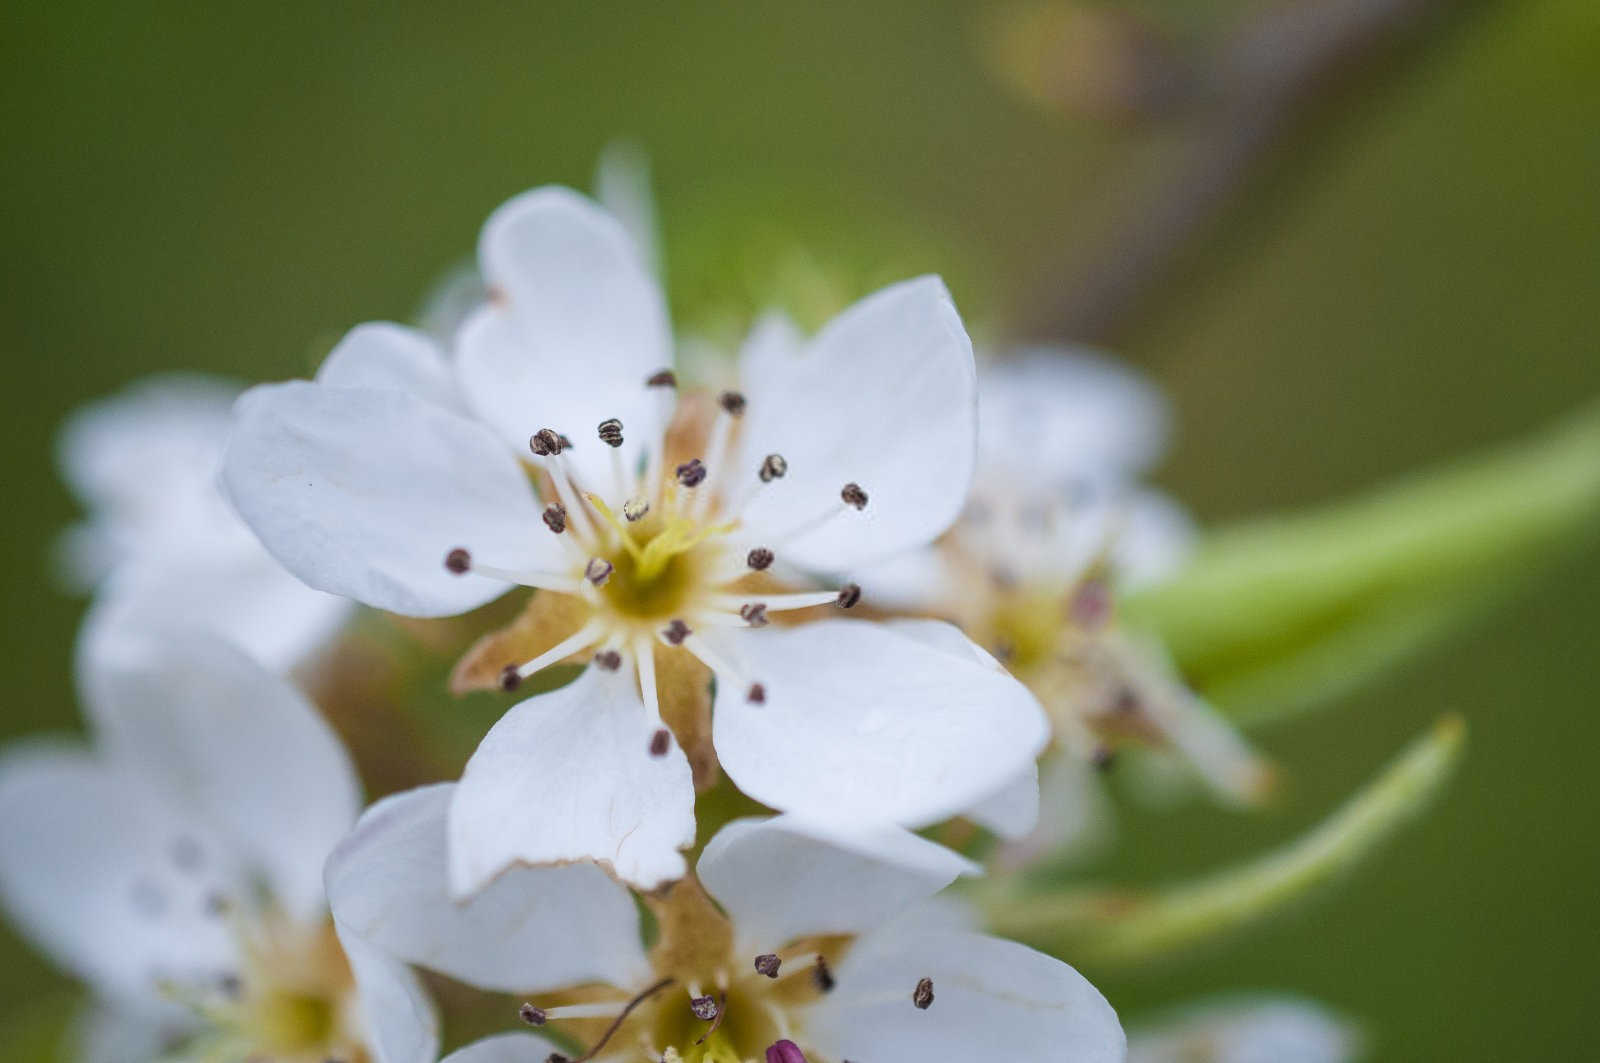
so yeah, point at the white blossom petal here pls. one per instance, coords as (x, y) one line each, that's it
(1247, 1029)
(1157, 537)
(250, 600)
(622, 185)
(861, 721)
(568, 776)
(883, 397)
(90, 870)
(576, 326)
(399, 1018)
(144, 462)
(920, 580)
(1053, 415)
(1012, 811)
(992, 999)
(236, 743)
(390, 357)
(531, 929)
(504, 1048)
(781, 879)
(362, 492)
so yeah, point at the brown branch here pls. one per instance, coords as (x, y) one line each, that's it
(1262, 80)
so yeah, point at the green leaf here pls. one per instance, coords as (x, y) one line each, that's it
(1119, 927)
(1276, 615)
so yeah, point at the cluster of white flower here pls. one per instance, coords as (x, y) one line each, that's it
(204, 865)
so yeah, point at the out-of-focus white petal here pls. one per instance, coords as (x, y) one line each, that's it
(224, 737)
(1156, 537)
(568, 776)
(1075, 815)
(623, 187)
(451, 300)
(575, 326)
(504, 1048)
(399, 1019)
(144, 462)
(109, 1032)
(992, 999)
(883, 397)
(1247, 1029)
(390, 357)
(107, 878)
(1054, 415)
(859, 721)
(782, 879)
(531, 929)
(250, 600)
(362, 492)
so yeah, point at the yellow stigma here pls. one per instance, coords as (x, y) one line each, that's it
(657, 579)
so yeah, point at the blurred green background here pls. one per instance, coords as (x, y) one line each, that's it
(1415, 275)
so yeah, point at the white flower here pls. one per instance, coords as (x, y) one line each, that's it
(816, 942)
(160, 541)
(1247, 1029)
(176, 867)
(1056, 526)
(402, 480)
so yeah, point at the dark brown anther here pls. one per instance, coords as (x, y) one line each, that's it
(531, 1015)
(768, 963)
(692, 473)
(663, 378)
(555, 517)
(660, 742)
(732, 403)
(597, 571)
(754, 613)
(853, 496)
(1090, 606)
(610, 660)
(849, 595)
(510, 678)
(759, 559)
(634, 509)
(1125, 700)
(611, 432)
(458, 561)
(566, 444)
(822, 975)
(556, 1057)
(756, 695)
(676, 632)
(922, 996)
(230, 985)
(545, 442)
(772, 468)
(704, 1008)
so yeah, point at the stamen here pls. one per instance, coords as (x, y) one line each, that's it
(660, 742)
(611, 432)
(768, 963)
(598, 571)
(567, 486)
(721, 1006)
(785, 1051)
(773, 466)
(585, 637)
(691, 473)
(616, 1024)
(634, 509)
(704, 1008)
(545, 443)
(610, 660)
(510, 678)
(759, 559)
(533, 1016)
(757, 695)
(458, 561)
(663, 378)
(849, 595)
(566, 444)
(822, 975)
(675, 632)
(778, 603)
(555, 517)
(754, 614)
(854, 496)
(922, 996)
(732, 403)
